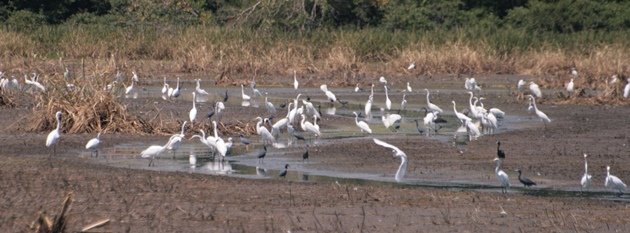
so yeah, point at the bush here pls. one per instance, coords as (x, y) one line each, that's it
(25, 21)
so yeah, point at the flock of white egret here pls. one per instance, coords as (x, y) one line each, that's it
(477, 121)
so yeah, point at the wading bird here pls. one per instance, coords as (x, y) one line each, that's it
(586, 178)
(500, 153)
(92, 145)
(55, 134)
(295, 81)
(361, 124)
(524, 180)
(502, 176)
(432, 107)
(368, 106)
(535, 90)
(244, 96)
(613, 182)
(331, 97)
(570, 86)
(199, 90)
(382, 80)
(462, 118)
(403, 103)
(154, 151)
(626, 90)
(402, 169)
(164, 87)
(176, 142)
(176, 92)
(388, 102)
(539, 113)
(409, 88)
(284, 173)
(193, 111)
(389, 119)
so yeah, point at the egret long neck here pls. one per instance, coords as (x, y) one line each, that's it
(428, 97)
(496, 170)
(402, 168)
(585, 166)
(216, 135)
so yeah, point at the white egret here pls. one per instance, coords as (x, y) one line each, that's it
(93, 144)
(539, 113)
(409, 88)
(368, 106)
(469, 84)
(535, 90)
(403, 104)
(411, 66)
(176, 140)
(626, 89)
(389, 119)
(331, 97)
(574, 72)
(613, 182)
(382, 80)
(199, 90)
(498, 113)
(164, 87)
(473, 131)
(570, 86)
(229, 144)
(361, 124)
(220, 144)
(586, 178)
(129, 89)
(176, 92)
(402, 169)
(432, 107)
(270, 108)
(34, 82)
(473, 108)
(204, 140)
(310, 109)
(309, 127)
(356, 88)
(135, 76)
(193, 111)
(295, 81)
(192, 160)
(388, 102)
(55, 134)
(245, 97)
(154, 151)
(462, 118)
(502, 176)
(520, 85)
(266, 136)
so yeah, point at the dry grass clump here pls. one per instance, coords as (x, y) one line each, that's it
(87, 107)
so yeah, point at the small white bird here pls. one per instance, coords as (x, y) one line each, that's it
(245, 97)
(409, 88)
(295, 81)
(411, 66)
(193, 111)
(135, 76)
(388, 102)
(129, 89)
(164, 87)
(520, 85)
(368, 106)
(55, 134)
(402, 169)
(176, 92)
(626, 90)
(403, 103)
(389, 119)
(533, 87)
(331, 97)
(356, 88)
(382, 80)
(309, 127)
(361, 124)
(502, 176)
(570, 86)
(93, 144)
(613, 182)
(586, 178)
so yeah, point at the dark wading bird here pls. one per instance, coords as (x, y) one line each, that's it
(500, 153)
(261, 155)
(524, 180)
(225, 97)
(284, 173)
(305, 155)
(244, 140)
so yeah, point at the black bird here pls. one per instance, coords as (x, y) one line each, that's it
(524, 180)
(500, 153)
(440, 120)
(420, 129)
(308, 98)
(298, 137)
(244, 140)
(342, 102)
(261, 155)
(284, 173)
(305, 155)
(282, 105)
(225, 97)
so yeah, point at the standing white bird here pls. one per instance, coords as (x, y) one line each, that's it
(331, 97)
(409, 88)
(295, 81)
(539, 113)
(309, 127)
(533, 87)
(199, 90)
(368, 106)
(432, 107)
(520, 85)
(361, 124)
(266, 136)
(586, 178)
(93, 144)
(462, 118)
(389, 119)
(403, 104)
(245, 97)
(55, 134)
(164, 87)
(176, 140)
(220, 144)
(388, 102)
(270, 108)
(626, 90)
(570, 86)
(154, 151)
(382, 80)
(502, 176)
(473, 131)
(613, 182)
(356, 88)
(177, 91)
(402, 169)
(193, 111)
(135, 76)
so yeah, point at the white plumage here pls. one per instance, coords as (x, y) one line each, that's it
(199, 90)
(331, 97)
(626, 90)
(570, 86)
(502, 176)
(295, 81)
(432, 107)
(539, 113)
(613, 182)
(402, 169)
(535, 90)
(388, 102)
(244, 96)
(93, 144)
(586, 178)
(389, 119)
(361, 124)
(193, 111)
